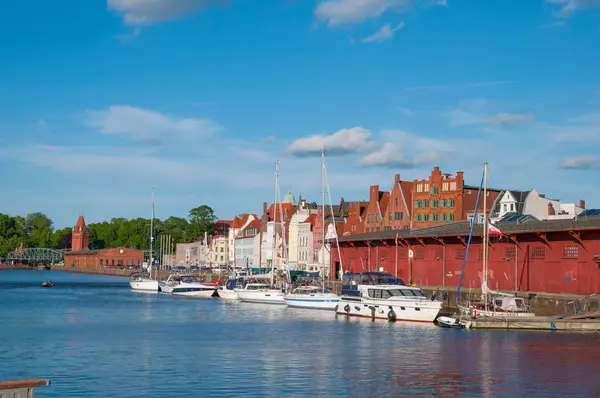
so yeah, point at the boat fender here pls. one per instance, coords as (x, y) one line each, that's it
(372, 310)
(336, 307)
(392, 316)
(347, 308)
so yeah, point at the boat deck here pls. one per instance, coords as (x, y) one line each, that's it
(537, 323)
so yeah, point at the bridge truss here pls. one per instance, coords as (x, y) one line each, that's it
(36, 255)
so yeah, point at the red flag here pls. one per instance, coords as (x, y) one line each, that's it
(493, 230)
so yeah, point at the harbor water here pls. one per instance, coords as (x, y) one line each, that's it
(92, 336)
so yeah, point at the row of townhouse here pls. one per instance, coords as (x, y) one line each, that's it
(444, 198)
(259, 242)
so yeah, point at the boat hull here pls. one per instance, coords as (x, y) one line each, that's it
(477, 312)
(261, 296)
(313, 302)
(227, 294)
(409, 311)
(147, 285)
(194, 292)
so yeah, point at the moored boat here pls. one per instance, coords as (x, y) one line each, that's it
(380, 295)
(311, 297)
(260, 293)
(452, 323)
(187, 285)
(47, 284)
(143, 281)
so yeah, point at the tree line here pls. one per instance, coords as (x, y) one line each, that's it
(36, 230)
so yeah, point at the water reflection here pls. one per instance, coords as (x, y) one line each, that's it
(94, 337)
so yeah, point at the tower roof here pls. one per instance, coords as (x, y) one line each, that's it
(80, 223)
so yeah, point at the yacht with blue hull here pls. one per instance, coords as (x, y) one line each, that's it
(379, 295)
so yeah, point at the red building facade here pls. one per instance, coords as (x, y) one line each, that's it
(561, 256)
(81, 256)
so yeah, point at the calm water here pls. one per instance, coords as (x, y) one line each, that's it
(91, 336)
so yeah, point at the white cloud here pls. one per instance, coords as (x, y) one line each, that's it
(581, 162)
(566, 8)
(505, 119)
(146, 126)
(394, 153)
(147, 12)
(341, 142)
(339, 12)
(385, 33)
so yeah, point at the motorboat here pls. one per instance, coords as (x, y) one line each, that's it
(452, 323)
(47, 284)
(187, 285)
(260, 293)
(227, 291)
(143, 281)
(312, 297)
(380, 295)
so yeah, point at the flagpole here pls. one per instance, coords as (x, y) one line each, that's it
(396, 253)
(485, 233)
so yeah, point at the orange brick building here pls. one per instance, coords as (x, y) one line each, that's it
(81, 256)
(355, 222)
(398, 213)
(444, 198)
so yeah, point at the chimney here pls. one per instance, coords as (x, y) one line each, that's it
(550, 209)
(582, 203)
(397, 179)
(264, 208)
(460, 180)
(374, 197)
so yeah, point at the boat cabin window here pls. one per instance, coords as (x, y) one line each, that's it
(519, 303)
(498, 303)
(379, 294)
(406, 292)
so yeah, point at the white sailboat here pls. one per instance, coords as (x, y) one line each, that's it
(315, 297)
(142, 281)
(262, 292)
(493, 303)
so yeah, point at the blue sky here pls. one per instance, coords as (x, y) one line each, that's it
(102, 100)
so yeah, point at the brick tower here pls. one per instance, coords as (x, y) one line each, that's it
(79, 236)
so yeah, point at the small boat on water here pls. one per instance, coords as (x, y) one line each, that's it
(452, 323)
(47, 284)
(228, 290)
(143, 281)
(187, 285)
(379, 295)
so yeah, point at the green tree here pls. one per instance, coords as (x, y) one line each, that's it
(201, 220)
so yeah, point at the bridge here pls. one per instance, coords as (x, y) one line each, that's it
(35, 255)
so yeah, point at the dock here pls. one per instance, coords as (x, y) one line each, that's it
(537, 323)
(21, 388)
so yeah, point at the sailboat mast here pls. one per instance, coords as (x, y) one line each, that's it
(274, 218)
(152, 235)
(485, 232)
(323, 216)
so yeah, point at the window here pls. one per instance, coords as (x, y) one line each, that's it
(443, 217)
(453, 186)
(390, 216)
(571, 252)
(419, 188)
(434, 190)
(512, 207)
(425, 217)
(433, 217)
(510, 252)
(445, 187)
(426, 187)
(450, 217)
(433, 204)
(538, 252)
(505, 207)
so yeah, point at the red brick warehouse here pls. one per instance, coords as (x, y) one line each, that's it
(558, 256)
